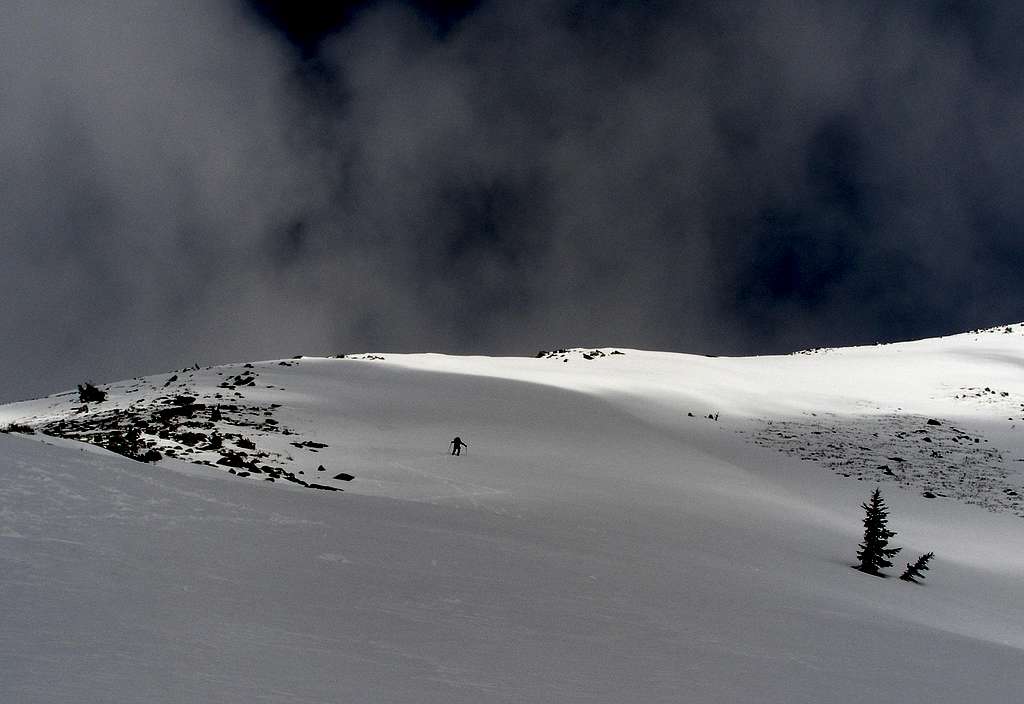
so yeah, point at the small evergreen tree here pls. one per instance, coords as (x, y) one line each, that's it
(915, 570)
(874, 552)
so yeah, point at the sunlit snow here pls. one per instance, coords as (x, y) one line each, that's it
(634, 527)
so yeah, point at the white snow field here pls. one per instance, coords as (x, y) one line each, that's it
(594, 544)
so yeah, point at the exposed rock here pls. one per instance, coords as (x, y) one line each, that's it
(323, 486)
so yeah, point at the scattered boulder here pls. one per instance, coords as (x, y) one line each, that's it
(88, 393)
(190, 438)
(150, 455)
(166, 414)
(237, 459)
(323, 487)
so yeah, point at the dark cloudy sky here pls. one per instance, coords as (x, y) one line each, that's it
(206, 180)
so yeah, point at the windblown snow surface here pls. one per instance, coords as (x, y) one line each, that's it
(596, 543)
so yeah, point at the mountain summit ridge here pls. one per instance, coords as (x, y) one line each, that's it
(265, 420)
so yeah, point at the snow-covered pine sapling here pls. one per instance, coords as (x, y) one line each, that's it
(874, 551)
(915, 570)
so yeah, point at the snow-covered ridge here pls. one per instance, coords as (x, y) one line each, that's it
(642, 527)
(938, 415)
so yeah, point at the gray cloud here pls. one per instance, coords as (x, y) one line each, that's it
(728, 177)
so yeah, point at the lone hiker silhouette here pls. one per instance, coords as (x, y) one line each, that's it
(457, 445)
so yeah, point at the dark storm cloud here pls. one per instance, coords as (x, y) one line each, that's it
(180, 183)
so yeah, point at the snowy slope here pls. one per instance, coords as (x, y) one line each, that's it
(595, 544)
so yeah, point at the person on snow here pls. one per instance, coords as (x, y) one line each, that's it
(457, 445)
